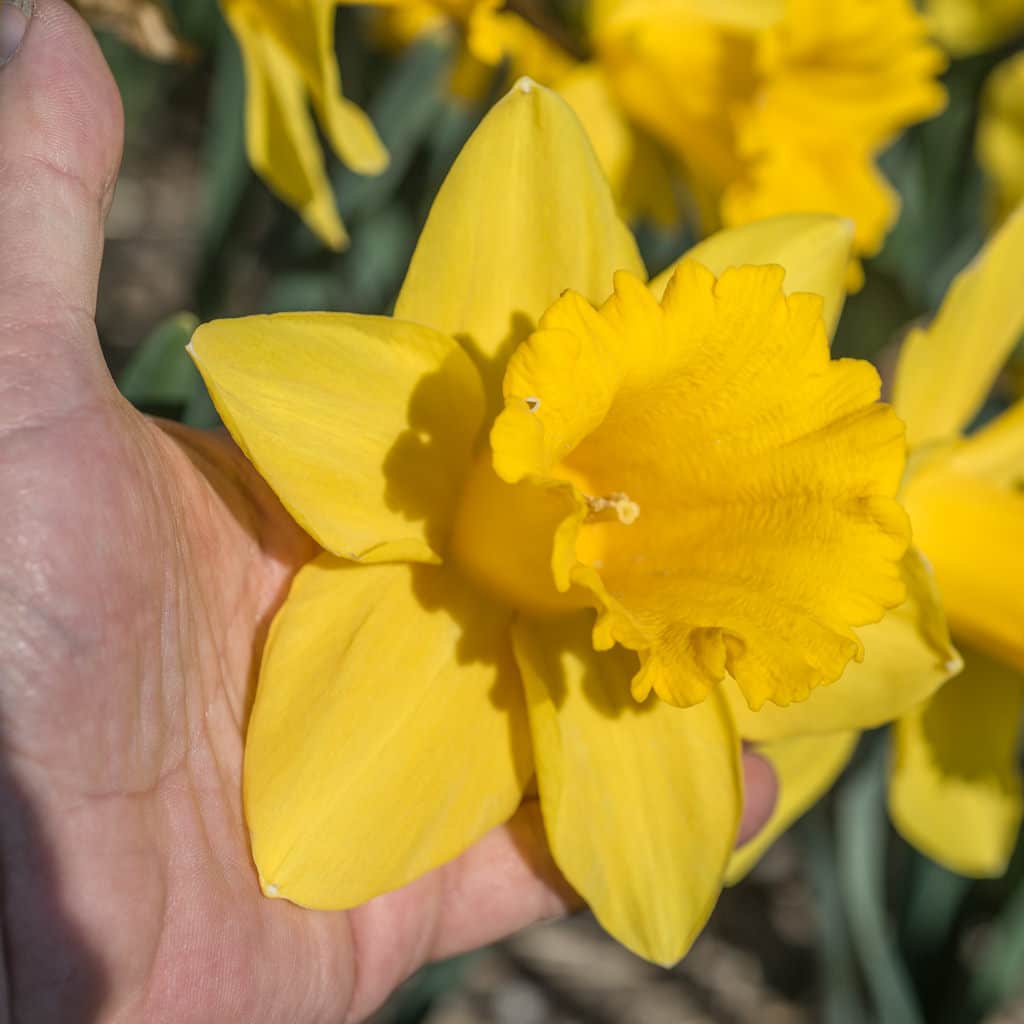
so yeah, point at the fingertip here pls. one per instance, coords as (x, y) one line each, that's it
(59, 103)
(14, 18)
(760, 792)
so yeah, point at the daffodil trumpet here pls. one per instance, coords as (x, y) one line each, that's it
(571, 520)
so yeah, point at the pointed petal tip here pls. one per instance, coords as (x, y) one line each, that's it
(269, 889)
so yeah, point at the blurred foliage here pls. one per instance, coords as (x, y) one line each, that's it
(901, 941)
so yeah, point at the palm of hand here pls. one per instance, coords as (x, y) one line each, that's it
(139, 569)
(140, 594)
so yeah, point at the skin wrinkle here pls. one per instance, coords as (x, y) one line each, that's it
(96, 198)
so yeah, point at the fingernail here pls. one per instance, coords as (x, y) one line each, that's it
(14, 18)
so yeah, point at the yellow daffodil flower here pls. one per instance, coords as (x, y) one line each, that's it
(970, 26)
(290, 62)
(514, 451)
(956, 785)
(776, 107)
(1000, 136)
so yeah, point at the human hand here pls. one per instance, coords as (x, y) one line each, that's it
(140, 565)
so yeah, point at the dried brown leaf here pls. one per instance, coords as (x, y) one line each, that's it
(145, 25)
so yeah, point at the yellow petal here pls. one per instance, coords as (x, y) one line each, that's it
(302, 31)
(746, 15)
(351, 132)
(586, 90)
(641, 802)
(946, 370)
(805, 768)
(681, 77)
(833, 91)
(840, 179)
(972, 531)
(813, 248)
(494, 36)
(637, 169)
(995, 453)
(724, 460)
(280, 135)
(856, 75)
(955, 791)
(907, 656)
(388, 731)
(524, 214)
(363, 426)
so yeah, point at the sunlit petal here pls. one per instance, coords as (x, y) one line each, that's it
(946, 370)
(641, 802)
(972, 531)
(813, 248)
(388, 732)
(524, 213)
(363, 426)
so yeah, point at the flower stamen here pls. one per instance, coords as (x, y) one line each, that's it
(619, 503)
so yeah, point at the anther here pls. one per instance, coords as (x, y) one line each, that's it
(625, 509)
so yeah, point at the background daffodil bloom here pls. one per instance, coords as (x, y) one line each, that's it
(513, 451)
(290, 62)
(778, 107)
(970, 26)
(956, 787)
(1000, 137)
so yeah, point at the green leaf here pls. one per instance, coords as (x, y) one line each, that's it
(143, 83)
(999, 975)
(843, 1003)
(198, 21)
(414, 1001)
(160, 371)
(935, 899)
(227, 172)
(862, 834)
(161, 379)
(932, 165)
(873, 317)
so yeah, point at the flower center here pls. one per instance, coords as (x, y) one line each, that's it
(620, 505)
(505, 534)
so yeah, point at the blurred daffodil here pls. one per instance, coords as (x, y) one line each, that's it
(776, 107)
(955, 789)
(1000, 136)
(515, 451)
(290, 63)
(970, 26)
(956, 785)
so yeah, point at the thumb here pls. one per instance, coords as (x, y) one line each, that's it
(60, 147)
